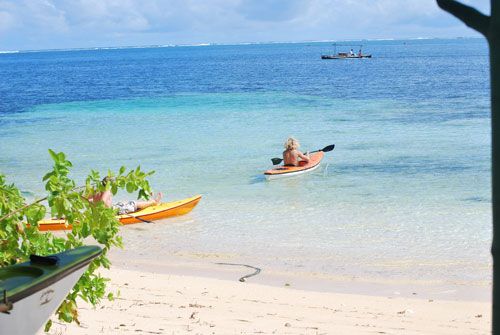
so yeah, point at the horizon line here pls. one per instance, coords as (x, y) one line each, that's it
(150, 46)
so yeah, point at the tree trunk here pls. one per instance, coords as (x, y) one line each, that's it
(489, 26)
(495, 155)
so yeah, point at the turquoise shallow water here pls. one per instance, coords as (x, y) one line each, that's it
(394, 197)
(404, 195)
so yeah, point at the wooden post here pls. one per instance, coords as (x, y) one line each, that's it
(489, 26)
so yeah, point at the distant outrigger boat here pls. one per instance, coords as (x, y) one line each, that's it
(346, 55)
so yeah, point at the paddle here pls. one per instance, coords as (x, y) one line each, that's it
(138, 218)
(328, 148)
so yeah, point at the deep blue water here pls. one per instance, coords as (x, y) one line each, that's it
(409, 179)
(407, 71)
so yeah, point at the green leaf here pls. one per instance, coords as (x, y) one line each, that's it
(53, 155)
(47, 176)
(48, 325)
(61, 156)
(111, 296)
(130, 187)
(142, 194)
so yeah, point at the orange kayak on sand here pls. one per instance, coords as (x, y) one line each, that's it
(157, 212)
(289, 171)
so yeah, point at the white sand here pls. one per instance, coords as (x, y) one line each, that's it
(152, 303)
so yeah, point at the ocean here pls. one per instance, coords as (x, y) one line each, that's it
(405, 195)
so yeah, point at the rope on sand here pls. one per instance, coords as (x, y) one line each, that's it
(243, 279)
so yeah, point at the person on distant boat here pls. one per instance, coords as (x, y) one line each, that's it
(292, 156)
(351, 53)
(123, 207)
(360, 54)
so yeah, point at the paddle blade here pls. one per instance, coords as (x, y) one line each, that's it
(276, 161)
(328, 148)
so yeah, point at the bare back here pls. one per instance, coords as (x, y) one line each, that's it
(105, 197)
(293, 157)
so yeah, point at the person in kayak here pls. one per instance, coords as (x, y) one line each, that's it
(292, 156)
(124, 207)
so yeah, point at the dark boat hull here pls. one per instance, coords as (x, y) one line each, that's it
(35, 289)
(344, 57)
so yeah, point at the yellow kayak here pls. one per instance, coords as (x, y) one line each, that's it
(157, 212)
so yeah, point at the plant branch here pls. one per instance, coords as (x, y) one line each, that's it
(468, 15)
(8, 215)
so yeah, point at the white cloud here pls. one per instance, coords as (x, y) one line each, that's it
(73, 23)
(271, 10)
(7, 21)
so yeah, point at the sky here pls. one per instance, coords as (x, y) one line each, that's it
(59, 24)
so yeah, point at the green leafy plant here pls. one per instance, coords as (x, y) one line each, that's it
(20, 237)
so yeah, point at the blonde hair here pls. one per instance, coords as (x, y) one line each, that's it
(291, 144)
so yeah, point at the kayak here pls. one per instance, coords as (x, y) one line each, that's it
(157, 212)
(161, 211)
(290, 171)
(32, 291)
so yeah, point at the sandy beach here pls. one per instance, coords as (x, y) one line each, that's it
(155, 303)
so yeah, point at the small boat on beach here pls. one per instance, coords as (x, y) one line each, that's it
(152, 213)
(32, 291)
(283, 171)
